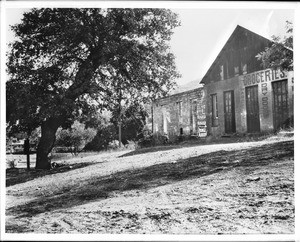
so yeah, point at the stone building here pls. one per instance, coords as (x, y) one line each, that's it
(241, 97)
(235, 96)
(181, 114)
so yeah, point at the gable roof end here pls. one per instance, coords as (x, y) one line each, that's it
(234, 33)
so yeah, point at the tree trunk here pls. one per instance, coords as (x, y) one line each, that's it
(120, 130)
(48, 128)
(120, 118)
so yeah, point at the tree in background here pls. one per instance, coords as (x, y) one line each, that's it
(68, 62)
(280, 54)
(105, 135)
(75, 138)
(106, 131)
(133, 121)
(15, 135)
(107, 125)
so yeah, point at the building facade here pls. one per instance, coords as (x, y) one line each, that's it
(236, 95)
(181, 114)
(241, 97)
(260, 101)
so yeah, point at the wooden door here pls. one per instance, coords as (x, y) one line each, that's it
(280, 103)
(229, 112)
(252, 108)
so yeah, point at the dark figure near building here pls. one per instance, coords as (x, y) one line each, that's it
(27, 152)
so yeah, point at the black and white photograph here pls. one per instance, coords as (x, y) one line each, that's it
(148, 119)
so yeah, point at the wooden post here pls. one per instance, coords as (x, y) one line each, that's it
(120, 117)
(27, 152)
(120, 130)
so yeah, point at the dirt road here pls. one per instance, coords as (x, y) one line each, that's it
(232, 188)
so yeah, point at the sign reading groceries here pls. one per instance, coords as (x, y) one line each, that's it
(263, 76)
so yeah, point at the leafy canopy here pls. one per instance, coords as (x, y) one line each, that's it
(133, 121)
(75, 138)
(70, 62)
(280, 54)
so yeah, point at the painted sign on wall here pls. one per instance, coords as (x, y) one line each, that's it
(263, 79)
(263, 76)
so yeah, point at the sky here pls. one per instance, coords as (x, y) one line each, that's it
(203, 33)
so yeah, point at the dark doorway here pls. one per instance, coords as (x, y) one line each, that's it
(252, 108)
(229, 112)
(280, 103)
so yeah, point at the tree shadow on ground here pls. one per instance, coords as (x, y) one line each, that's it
(152, 149)
(100, 187)
(197, 142)
(20, 175)
(17, 228)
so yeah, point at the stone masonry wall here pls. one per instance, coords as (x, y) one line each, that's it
(169, 120)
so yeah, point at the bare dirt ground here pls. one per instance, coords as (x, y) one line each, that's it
(233, 188)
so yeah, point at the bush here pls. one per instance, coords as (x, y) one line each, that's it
(75, 138)
(105, 135)
(151, 140)
(289, 123)
(146, 141)
(12, 164)
(114, 144)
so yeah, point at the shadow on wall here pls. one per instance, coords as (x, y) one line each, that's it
(100, 187)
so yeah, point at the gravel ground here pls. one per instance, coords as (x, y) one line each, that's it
(236, 188)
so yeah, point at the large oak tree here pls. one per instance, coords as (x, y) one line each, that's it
(64, 62)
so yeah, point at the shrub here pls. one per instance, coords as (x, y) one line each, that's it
(105, 135)
(75, 138)
(149, 139)
(12, 164)
(114, 144)
(289, 123)
(146, 141)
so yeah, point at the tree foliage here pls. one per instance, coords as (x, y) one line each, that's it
(67, 63)
(133, 121)
(101, 141)
(75, 138)
(106, 131)
(280, 54)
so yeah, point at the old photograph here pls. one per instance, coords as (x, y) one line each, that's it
(163, 120)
